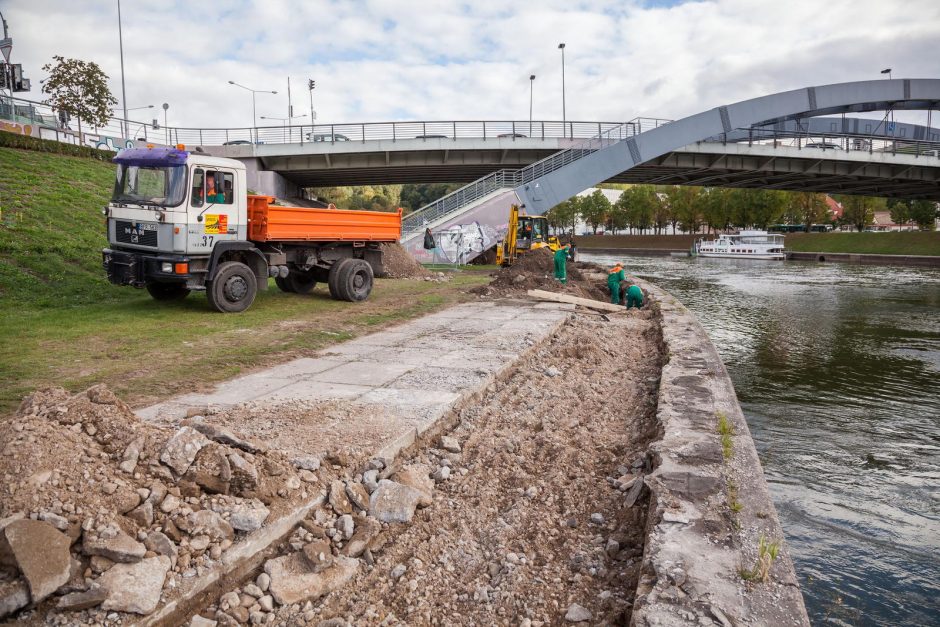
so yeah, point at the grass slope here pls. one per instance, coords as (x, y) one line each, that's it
(62, 323)
(903, 243)
(52, 230)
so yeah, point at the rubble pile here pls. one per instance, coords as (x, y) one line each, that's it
(399, 264)
(101, 513)
(531, 512)
(534, 270)
(335, 544)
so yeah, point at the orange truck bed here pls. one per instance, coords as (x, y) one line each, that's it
(269, 223)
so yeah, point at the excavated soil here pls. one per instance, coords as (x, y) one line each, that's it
(532, 520)
(535, 270)
(401, 265)
(533, 512)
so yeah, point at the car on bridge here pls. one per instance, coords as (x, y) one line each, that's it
(513, 135)
(326, 137)
(431, 137)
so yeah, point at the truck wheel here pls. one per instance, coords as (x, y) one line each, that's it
(168, 291)
(283, 285)
(332, 276)
(354, 280)
(233, 289)
(301, 283)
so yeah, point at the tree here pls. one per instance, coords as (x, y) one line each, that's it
(900, 210)
(686, 206)
(859, 211)
(924, 213)
(413, 197)
(80, 89)
(594, 209)
(564, 216)
(638, 204)
(807, 208)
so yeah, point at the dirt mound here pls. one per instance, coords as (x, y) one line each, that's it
(535, 270)
(400, 265)
(111, 483)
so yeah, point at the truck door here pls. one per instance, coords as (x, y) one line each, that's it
(213, 209)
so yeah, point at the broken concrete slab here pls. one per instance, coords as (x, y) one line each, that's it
(42, 555)
(135, 587)
(394, 502)
(115, 545)
(180, 450)
(293, 582)
(14, 596)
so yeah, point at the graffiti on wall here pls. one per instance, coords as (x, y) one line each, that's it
(459, 243)
(15, 127)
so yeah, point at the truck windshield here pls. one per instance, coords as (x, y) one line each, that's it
(164, 186)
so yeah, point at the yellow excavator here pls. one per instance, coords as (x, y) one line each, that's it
(524, 233)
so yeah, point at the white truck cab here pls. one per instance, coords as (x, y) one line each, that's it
(170, 211)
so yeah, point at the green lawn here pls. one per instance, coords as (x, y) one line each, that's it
(62, 323)
(903, 243)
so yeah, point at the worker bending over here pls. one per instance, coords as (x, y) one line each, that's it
(561, 260)
(634, 297)
(614, 277)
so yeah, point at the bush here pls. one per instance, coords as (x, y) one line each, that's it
(25, 142)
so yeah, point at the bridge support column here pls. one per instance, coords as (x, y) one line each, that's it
(268, 182)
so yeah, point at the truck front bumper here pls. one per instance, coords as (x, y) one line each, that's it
(137, 269)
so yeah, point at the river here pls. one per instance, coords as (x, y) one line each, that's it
(837, 368)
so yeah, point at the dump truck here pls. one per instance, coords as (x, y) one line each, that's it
(181, 221)
(524, 233)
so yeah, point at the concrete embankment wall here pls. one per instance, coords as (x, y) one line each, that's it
(867, 258)
(710, 507)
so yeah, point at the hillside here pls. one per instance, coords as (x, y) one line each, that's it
(51, 228)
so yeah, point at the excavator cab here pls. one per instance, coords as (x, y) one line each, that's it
(524, 233)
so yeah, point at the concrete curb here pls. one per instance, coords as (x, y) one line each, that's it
(708, 511)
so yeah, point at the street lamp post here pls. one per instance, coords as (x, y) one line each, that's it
(121, 46)
(254, 109)
(887, 71)
(166, 128)
(531, 83)
(561, 47)
(311, 85)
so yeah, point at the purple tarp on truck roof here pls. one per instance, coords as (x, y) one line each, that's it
(154, 157)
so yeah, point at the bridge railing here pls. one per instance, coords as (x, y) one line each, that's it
(466, 195)
(507, 179)
(392, 131)
(836, 142)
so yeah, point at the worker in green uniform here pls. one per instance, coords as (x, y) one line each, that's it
(614, 277)
(634, 297)
(561, 259)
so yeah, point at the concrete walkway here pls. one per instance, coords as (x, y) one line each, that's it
(415, 372)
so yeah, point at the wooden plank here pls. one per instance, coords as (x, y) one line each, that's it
(575, 300)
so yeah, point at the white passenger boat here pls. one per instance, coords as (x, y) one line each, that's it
(743, 245)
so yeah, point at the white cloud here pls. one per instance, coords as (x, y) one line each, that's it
(382, 60)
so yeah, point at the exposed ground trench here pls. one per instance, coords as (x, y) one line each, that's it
(535, 516)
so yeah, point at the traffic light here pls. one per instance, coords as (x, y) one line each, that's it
(12, 77)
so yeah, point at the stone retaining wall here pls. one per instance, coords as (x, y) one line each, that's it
(710, 508)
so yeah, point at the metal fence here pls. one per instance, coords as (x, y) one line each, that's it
(834, 142)
(507, 179)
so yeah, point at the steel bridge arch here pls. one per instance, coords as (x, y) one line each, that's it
(541, 193)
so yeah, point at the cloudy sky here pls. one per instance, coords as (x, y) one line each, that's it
(384, 60)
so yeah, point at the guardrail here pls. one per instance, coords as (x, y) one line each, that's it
(836, 142)
(506, 179)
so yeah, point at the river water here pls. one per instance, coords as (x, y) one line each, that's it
(837, 368)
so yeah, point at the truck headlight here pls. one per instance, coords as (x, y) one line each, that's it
(167, 268)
